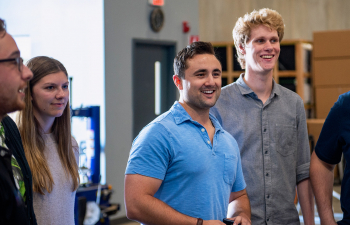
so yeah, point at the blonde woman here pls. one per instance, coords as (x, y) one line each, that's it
(51, 152)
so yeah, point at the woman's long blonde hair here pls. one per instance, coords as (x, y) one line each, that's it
(31, 131)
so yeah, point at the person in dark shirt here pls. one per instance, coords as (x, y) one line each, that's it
(13, 80)
(334, 141)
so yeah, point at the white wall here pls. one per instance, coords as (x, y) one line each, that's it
(70, 31)
(125, 20)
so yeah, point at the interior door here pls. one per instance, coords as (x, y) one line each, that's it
(153, 89)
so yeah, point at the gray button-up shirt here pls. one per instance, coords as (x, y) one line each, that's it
(274, 147)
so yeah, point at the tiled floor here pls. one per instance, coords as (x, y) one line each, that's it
(336, 208)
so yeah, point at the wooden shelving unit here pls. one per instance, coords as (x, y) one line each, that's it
(294, 63)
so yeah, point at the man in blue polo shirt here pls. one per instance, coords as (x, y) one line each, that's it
(334, 141)
(183, 167)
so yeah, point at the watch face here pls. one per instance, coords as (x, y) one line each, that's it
(157, 19)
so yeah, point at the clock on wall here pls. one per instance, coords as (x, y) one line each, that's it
(157, 19)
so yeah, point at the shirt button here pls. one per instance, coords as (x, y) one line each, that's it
(267, 219)
(265, 130)
(267, 174)
(203, 129)
(268, 196)
(265, 152)
(208, 142)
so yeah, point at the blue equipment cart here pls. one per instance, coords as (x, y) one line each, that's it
(90, 188)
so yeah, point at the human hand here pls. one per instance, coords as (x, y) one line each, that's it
(212, 222)
(241, 220)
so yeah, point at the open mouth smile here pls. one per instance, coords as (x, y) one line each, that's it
(267, 56)
(21, 90)
(208, 92)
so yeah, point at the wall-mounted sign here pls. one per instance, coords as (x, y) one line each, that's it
(157, 19)
(156, 2)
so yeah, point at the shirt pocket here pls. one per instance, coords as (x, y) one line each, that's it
(286, 139)
(230, 165)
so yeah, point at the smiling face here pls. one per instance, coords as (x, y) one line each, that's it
(201, 86)
(50, 96)
(12, 81)
(262, 50)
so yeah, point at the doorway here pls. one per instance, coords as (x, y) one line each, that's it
(153, 89)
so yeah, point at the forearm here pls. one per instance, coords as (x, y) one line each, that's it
(322, 184)
(239, 206)
(306, 201)
(152, 211)
(142, 206)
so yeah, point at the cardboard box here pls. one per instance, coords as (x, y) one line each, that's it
(331, 72)
(326, 97)
(331, 43)
(314, 127)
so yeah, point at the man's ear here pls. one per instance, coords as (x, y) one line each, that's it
(177, 81)
(242, 49)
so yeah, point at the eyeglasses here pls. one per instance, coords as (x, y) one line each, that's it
(18, 60)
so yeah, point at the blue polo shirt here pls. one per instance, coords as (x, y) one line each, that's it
(198, 177)
(334, 141)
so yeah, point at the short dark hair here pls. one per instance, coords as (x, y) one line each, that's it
(2, 28)
(196, 48)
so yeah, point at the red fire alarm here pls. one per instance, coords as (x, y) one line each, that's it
(193, 38)
(156, 2)
(185, 27)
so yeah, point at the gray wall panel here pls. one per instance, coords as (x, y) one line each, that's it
(125, 20)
